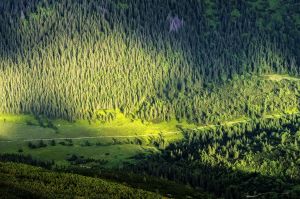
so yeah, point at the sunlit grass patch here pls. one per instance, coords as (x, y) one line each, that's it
(278, 77)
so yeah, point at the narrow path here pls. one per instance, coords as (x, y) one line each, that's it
(95, 137)
(136, 136)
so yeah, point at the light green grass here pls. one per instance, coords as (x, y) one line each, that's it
(16, 131)
(278, 77)
(15, 128)
(116, 155)
(236, 121)
(16, 118)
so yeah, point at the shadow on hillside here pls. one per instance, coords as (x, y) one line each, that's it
(236, 46)
(199, 57)
(15, 192)
(192, 59)
(218, 180)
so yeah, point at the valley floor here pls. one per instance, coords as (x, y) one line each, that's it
(115, 143)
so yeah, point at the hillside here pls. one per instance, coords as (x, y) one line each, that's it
(153, 60)
(150, 98)
(23, 181)
(252, 159)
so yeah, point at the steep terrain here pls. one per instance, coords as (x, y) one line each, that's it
(180, 98)
(153, 60)
(23, 181)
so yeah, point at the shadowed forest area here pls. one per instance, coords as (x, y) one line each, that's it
(176, 99)
(257, 158)
(87, 56)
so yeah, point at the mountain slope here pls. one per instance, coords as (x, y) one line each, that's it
(23, 181)
(153, 60)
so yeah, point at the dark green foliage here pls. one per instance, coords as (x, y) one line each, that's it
(45, 123)
(69, 142)
(41, 183)
(52, 143)
(235, 161)
(203, 61)
(40, 144)
(31, 145)
(30, 123)
(81, 59)
(86, 143)
(62, 143)
(26, 159)
(165, 187)
(75, 160)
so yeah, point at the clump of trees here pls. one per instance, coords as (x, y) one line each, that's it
(79, 160)
(26, 159)
(40, 144)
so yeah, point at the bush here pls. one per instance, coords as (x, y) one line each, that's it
(86, 143)
(52, 143)
(42, 144)
(69, 142)
(62, 143)
(31, 145)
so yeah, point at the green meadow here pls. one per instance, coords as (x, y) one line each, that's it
(171, 98)
(116, 142)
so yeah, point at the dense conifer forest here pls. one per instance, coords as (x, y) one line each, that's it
(151, 59)
(254, 159)
(173, 98)
(23, 181)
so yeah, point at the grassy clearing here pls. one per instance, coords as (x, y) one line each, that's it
(113, 155)
(245, 119)
(278, 77)
(115, 149)
(16, 127)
